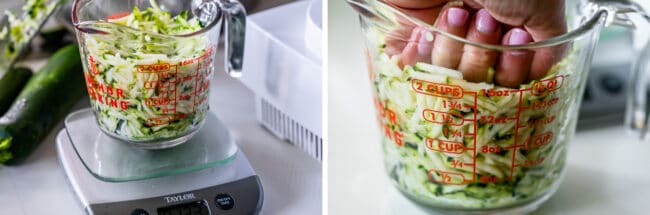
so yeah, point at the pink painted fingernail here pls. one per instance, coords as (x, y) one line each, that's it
(415, 35)
(519, 37)
(485, 23)
(426, 42)
(457, 17)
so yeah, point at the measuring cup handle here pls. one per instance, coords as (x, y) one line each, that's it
(637, 111)
(234, 16)
(638, 92)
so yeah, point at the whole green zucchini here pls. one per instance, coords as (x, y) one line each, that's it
(11, 84)
(46, 99)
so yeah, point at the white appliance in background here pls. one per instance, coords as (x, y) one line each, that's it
(283, 67)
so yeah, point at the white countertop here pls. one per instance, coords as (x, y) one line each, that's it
(607, 170)
(291, 179)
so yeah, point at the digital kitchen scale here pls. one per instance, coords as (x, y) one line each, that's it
(206, 175)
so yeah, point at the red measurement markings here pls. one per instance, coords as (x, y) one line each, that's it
(451, 104)
(107, 90)
(209, 51)
(452, 133)
(488, 179)
(490, 149)
(154, 68)
(181, 116)
(192, 95)
(162, 85)
(531, 162)
(455, 163)
(173, 89)
(197, 59)
(158, 120)
(443, 177)
(386, 114)
(110, 101)
(514, 151)
(544, 104)
(202, 77)
(150, 84)
(442, 117)
(196, 84)
(493, 120)
(547, 85)
(166, 84)
(164, 93)
(203, 87)
(539, 122)
(158, 101)
(437, 89)
(474, 135)
(495, 92)
(445, 146)
(188, 78)
(199, 84)
(165, 75)
(102, 93)
(93, 66)
(185, 97)
(89, 79)
(393, 135)
(169, 110)
(538, 140)
(189, 61)
(542, 139)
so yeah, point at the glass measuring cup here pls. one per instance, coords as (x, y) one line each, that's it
(148, 64)
(459, 145)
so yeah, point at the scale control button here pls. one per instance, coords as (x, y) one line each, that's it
(139, 211)
(224, 201)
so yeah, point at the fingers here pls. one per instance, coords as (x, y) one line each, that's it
(416, 9)
(417, 4)
(475, 62)
(472, 4)
(418, 48)
(445, 50)
(513, 66)
(542, 19)
(395, 42)
(544, 60)
(427, 15)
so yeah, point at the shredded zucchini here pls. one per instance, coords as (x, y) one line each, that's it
(482, 123)
(16, 34)
(145, 84)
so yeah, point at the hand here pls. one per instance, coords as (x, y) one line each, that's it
(507, 22)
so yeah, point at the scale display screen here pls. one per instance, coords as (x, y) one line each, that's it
(191, 208)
